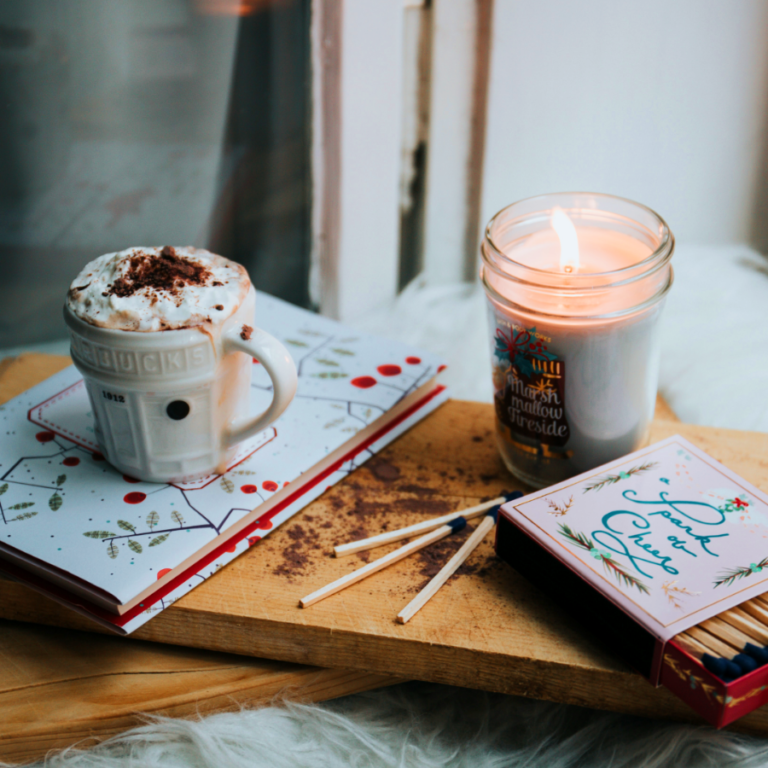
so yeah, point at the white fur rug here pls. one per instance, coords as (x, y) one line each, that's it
(420, 726)
(714, 371)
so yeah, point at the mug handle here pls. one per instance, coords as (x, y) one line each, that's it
(281, 369)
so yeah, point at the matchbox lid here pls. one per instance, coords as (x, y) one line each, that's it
(667, 536)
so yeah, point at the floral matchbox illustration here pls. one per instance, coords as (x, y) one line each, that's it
(644, 549)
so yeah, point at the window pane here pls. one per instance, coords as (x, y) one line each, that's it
(149, 122)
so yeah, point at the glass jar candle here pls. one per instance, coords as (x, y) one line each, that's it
(575, 285)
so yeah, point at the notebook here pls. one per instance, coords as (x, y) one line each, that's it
(120, 550)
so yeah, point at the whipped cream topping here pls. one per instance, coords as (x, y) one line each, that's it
(158, 289)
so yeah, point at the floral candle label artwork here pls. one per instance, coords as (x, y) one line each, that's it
(667, 533)
(529, 386)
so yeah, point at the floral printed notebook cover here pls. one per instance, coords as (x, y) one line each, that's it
(667, 533)
(62, 505)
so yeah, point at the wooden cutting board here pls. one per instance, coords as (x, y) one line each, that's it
(59, 687)
(487, 628)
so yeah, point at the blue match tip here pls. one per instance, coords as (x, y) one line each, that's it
(457, 523)
(714, 665)
(494, 511)
(745, 663)
(760, 655)
(733, 670)
(724, 669)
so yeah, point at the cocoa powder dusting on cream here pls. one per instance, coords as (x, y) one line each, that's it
(166, 271)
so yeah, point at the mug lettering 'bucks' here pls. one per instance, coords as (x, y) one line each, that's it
(165, 339)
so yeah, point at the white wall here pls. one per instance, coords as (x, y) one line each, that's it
(662, 101)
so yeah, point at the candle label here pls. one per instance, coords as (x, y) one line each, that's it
(529, 385)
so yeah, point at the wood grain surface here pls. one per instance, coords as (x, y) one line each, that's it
(487, 628)
(60, 687)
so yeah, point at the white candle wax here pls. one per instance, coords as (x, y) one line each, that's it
(600, 250)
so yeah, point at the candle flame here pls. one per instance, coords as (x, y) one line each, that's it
(569, 241)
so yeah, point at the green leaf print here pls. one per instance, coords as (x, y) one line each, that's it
(55, 502)
(22, 516)
(23, 505)
(325, 361)
(61, 479)
(126, 526)
(159, 540)
(341, 351)
(226, 485)
(329, 375)
(135, 546)
(152, 520)
(3, 488)
(98, 534)
(296, 343)
(112, 550)
(177, 518)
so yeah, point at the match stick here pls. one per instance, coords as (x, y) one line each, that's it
(727, 633)
(733, 643)
(761, 601)
(723, 658)
(448, 569)
(756, 609)
(748, 638)
(427, 525)
(714, 644)
(740, 619)
(693, 646)
(377, 565)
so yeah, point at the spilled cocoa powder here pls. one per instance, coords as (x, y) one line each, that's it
(382, 469)
(363, 510)
(246, 332)
(434, 557)
(298, 553)
(354, 518)
(423, 506)
(419, 490)
(358, 533)
(166, 271)
(359, 508)
(431, 559)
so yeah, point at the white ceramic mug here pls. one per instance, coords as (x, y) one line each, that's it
(172, 405)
